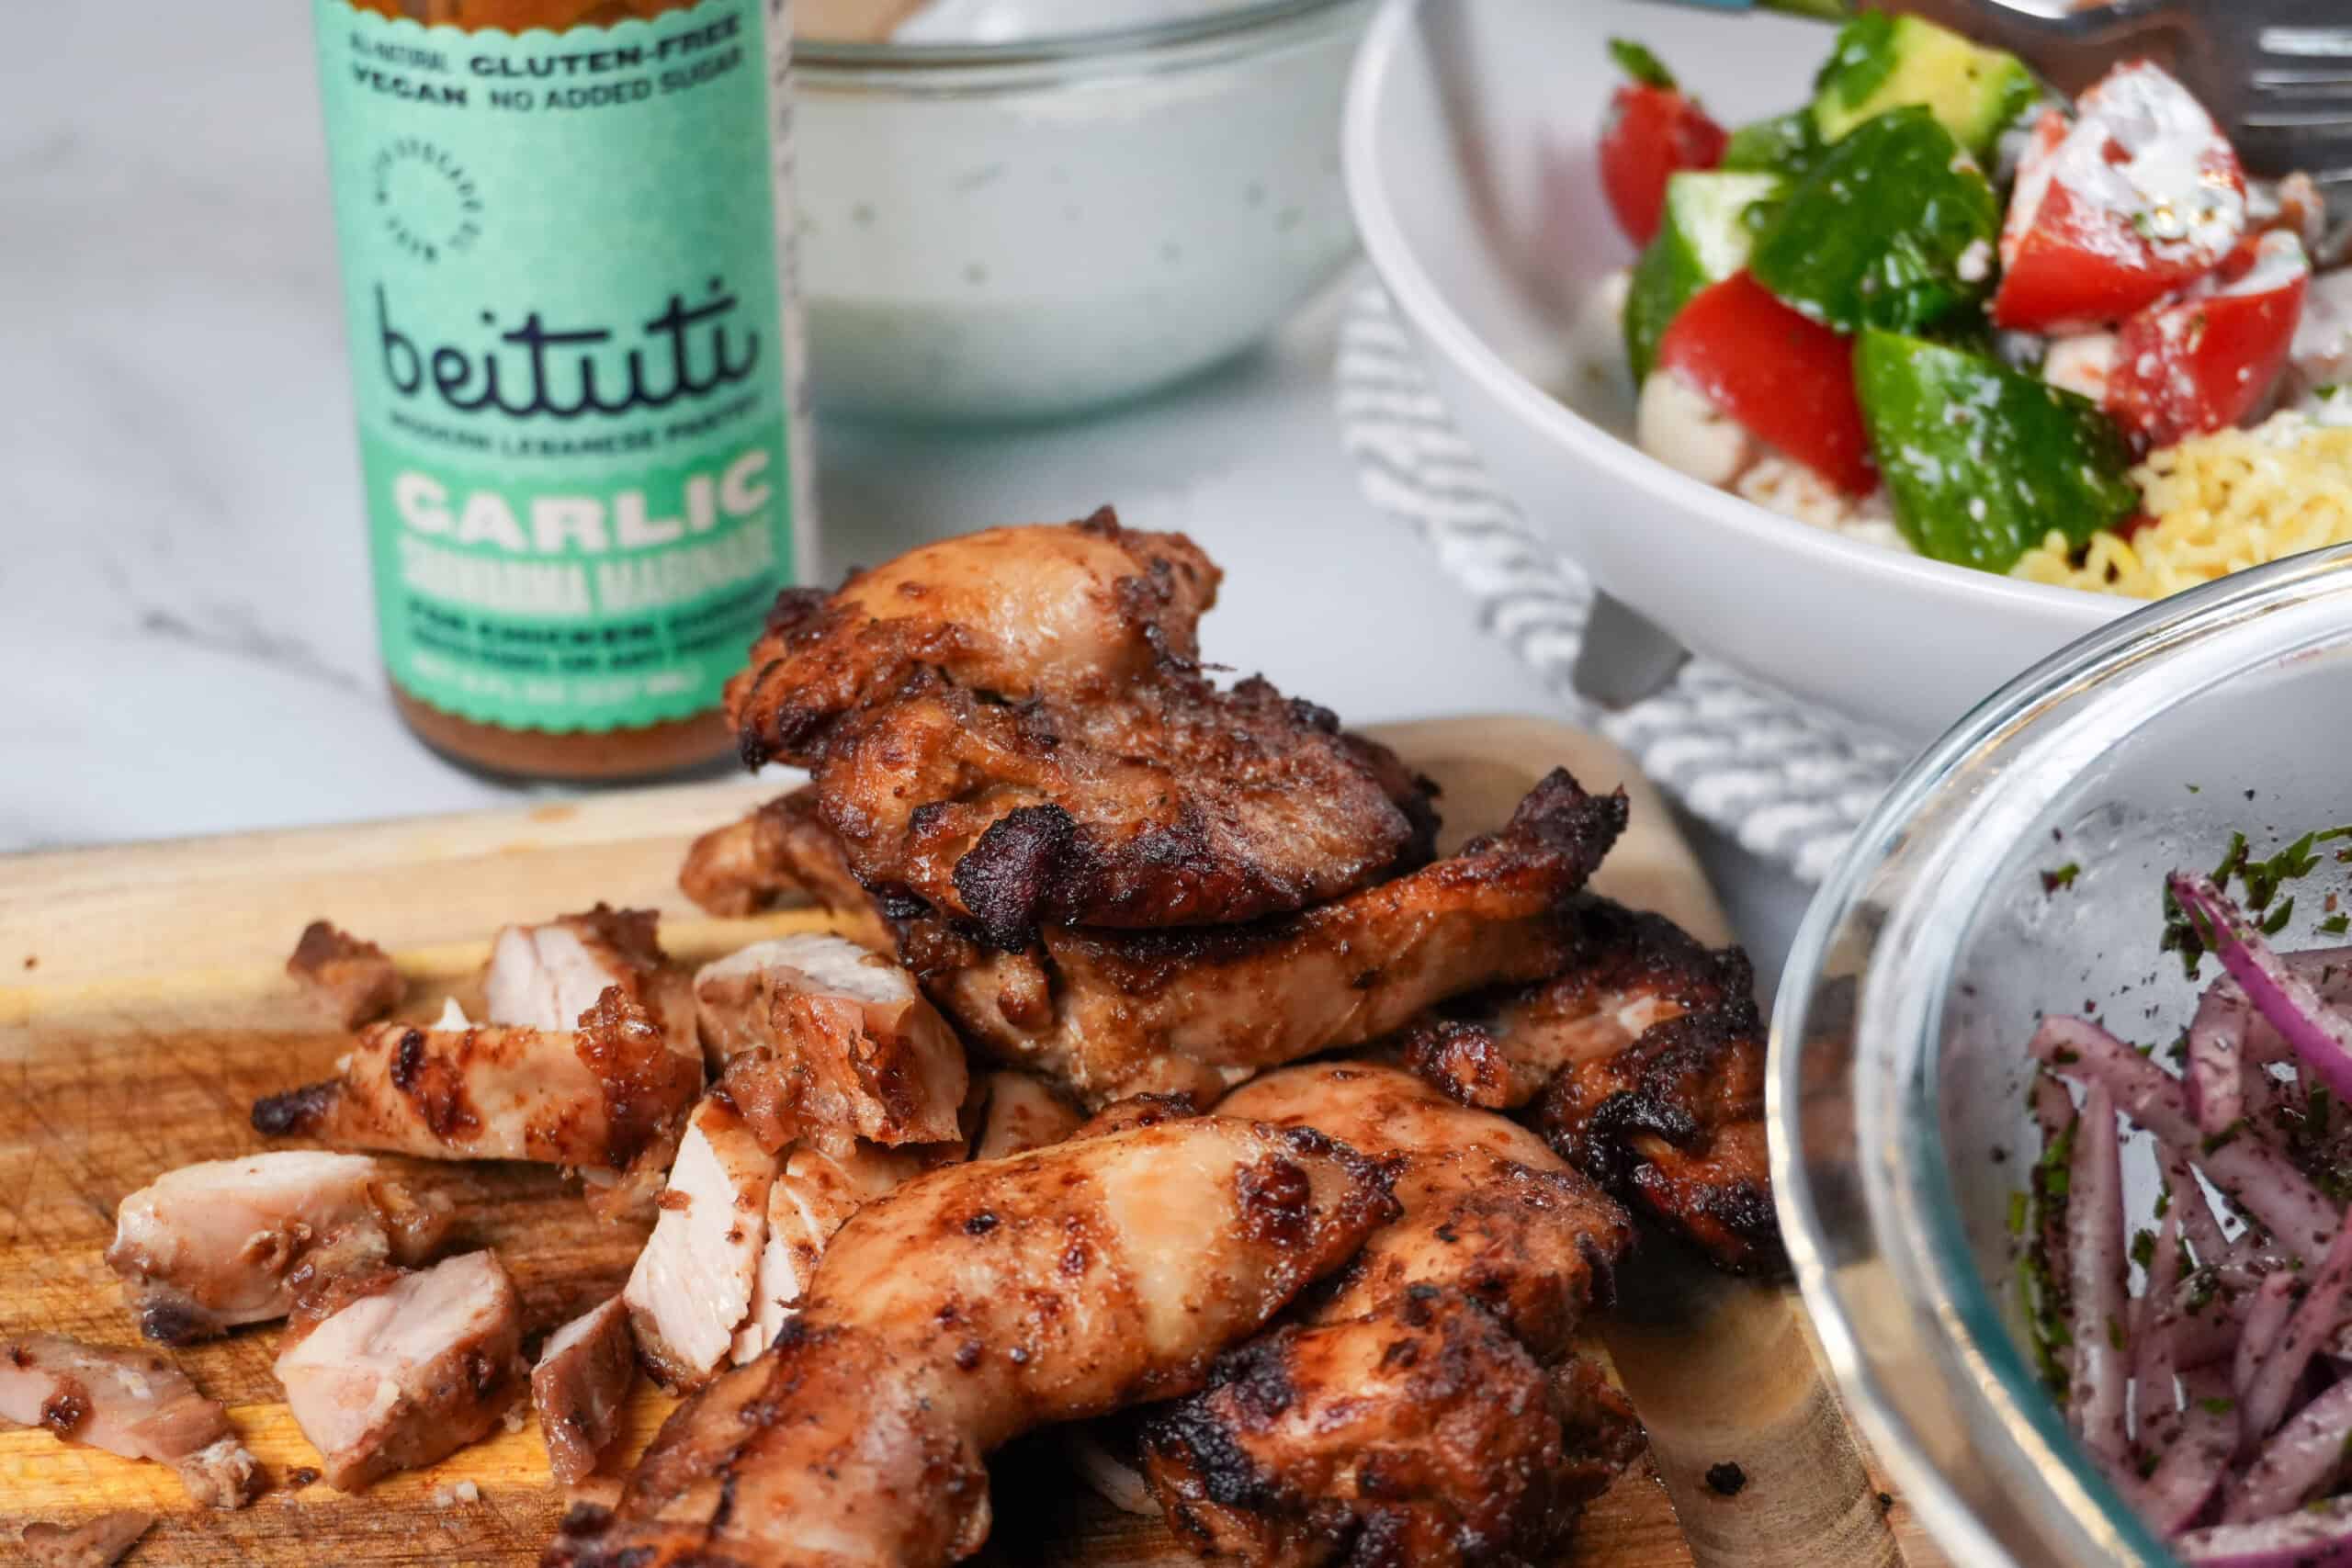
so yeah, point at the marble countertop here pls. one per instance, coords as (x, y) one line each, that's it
(189, 646)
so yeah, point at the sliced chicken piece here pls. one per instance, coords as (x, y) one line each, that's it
(1413, 1402)
(1022, 1114)
(784, 851)
(594, 1096)
(829, 1036)
(352, 981)
(132, 1403)
(1423, 1433)
(966, 1308)
(209, 1246)
(812, 1199)
(1647, 1053)
(398, 1370)
(579, 1387)
(1114, 1013)
(692, 1288)
(546, 976)
(100, 1543)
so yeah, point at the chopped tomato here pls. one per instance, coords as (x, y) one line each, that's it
(2138, 197)
(1651, 133)
(2208, 361)
(1789, 379)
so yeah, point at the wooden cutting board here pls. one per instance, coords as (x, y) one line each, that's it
(144, 1007)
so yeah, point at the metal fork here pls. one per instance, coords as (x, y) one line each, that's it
(2276, 75)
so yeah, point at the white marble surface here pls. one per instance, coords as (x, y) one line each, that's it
(187, 645)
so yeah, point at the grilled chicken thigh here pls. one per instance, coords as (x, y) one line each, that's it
(352, 981)
(1013, 728)
(209, 1246)
(579, 1387)
(1417, 1410)
(965, 1308)
(396, 1370)
(1112, 1013)
(1645, 1056)
(1487, 1209)
(826, 1034)
(132, 1403)
(546, 976)
(598, 1095)
(1423, 1433)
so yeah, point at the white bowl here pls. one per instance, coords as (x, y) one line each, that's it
(1023, 231)
(1890, 638)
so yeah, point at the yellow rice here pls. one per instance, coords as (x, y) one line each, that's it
(2221, 503)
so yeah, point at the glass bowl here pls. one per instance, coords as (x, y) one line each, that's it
(1899, 1123)
(1024, 230)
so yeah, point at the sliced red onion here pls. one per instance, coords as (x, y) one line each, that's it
(2318, 1537)
(2320, 1036)
(2053, 1108)
(2216, 1048)
(2206, 1338)
(2247, 1166)
(2283, 1364)
(2189, 1202)
(2191, 1469)
(2096, 1300)
(2297, 1464)
(2155, 1405)
(2269, 1307)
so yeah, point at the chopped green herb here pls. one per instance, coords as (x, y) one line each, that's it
(2051, 881)
(1639, 63)
(2337, 925)
(2216, 1141)
(2164, 1199)
(2230, 862)
(2017, 1213)
(2278, 918)
(2144, 1247)
(2217, 1405)
(2115, 1335)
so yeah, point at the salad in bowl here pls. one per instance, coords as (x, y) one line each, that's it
(1936, 306)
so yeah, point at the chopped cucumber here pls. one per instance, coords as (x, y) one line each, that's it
(1895, 227)
(1702, 237)
(1786, 144)
(1882, 62)
(1981, 461)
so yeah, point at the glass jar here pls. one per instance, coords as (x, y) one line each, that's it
(567, 257)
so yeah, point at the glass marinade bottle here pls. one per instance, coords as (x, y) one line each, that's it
(568, 280)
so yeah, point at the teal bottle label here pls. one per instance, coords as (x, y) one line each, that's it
(569, 354)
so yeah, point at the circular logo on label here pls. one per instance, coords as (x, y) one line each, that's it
(429, 204)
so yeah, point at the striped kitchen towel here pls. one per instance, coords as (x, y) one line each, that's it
(1787, 780)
